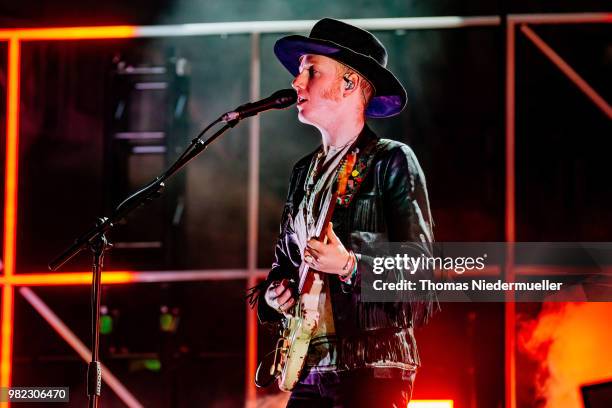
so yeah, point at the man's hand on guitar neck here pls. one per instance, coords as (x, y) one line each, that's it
(329, 256)
(279, 296)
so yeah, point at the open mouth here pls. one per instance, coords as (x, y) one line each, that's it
(301, 100)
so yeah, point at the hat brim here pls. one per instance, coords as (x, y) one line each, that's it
(390, 97)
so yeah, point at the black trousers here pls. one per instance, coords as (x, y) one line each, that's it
(354, 391)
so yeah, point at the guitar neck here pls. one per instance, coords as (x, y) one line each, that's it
(329, 214)
(304, 268)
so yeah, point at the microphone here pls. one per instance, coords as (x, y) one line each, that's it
(278, 100)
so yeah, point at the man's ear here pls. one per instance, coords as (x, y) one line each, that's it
(351, 83)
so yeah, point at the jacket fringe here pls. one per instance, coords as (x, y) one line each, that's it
(375, 315)
(366, 216)
(378, 348)
(254, 293)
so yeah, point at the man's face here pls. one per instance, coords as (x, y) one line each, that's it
(319, 89)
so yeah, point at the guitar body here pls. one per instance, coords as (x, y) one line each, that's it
(297, 333)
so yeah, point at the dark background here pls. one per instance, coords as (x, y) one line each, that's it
(454, 123)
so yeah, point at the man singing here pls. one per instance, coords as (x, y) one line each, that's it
(362, 354)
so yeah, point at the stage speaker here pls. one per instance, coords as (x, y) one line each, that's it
(597, 395)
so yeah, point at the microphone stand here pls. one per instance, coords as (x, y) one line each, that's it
(95, 240)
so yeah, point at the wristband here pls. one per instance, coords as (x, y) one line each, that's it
(347, 278)
(348, 261)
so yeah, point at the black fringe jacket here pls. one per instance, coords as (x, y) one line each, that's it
(390, 205)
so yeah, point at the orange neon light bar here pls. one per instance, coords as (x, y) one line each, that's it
(76, 278)
(431, 404)
(11, 166)
(69, 33)
(10, 211)
(6, 351)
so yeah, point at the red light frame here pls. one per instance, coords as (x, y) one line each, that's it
(8, 278)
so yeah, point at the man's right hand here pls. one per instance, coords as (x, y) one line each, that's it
(279, 296)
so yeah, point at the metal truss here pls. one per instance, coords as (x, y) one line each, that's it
(510, 116)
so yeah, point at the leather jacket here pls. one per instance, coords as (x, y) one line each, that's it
(390, 205)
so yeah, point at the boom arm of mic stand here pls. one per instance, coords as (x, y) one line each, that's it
(147, 193)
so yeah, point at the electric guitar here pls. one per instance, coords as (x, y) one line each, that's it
(298, 328)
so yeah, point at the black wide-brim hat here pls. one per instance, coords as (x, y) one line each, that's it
(354, 47)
